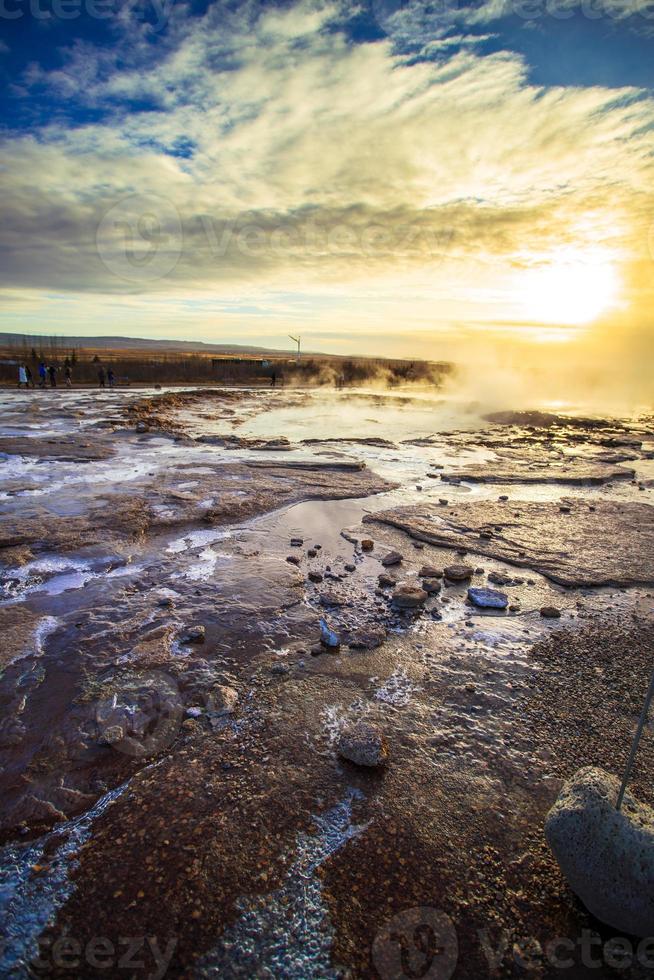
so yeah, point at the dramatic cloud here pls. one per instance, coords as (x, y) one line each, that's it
(246, 168)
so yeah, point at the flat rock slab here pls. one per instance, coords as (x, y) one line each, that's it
(610, 545)
(65, 448)
(573, 473)
(606, 856)
(488, 598)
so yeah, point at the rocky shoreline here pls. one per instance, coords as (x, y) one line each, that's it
(230, 668)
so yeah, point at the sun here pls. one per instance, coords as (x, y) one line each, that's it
(569, 290)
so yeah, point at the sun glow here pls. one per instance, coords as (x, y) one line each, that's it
(569, 290)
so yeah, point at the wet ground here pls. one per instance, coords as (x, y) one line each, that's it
(172, 799)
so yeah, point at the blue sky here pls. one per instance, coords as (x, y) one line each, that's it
(397, 174)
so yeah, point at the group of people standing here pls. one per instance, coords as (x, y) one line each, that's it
(48, 376)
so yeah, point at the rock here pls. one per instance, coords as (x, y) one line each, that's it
(316, 650)
(293, 559)
(364, 745)
(443, 502)
(367, 544)
(280, 669)
(409, 597)
(498, 578)
(550, 612)
(297, 542)
(458, 573)
(166, 602)
(111, 735)
(386, 581)
(430, 571)
(142, 427)
(333, 599)
(606, 856)
(194, 712)
(611, 545)
(503, 496)
(431, 585)
(488, 598)
(367, 639)
(328, 637)
(194, 634)
(392, 558)
(223, 701)
(315, 576)
(311, 552)
(350, 567)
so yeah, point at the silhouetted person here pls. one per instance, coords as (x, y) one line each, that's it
(30, 377)
(111, 378)
(68, 374)
(52, 371)
(43, 374)
(102, 377)
(273, 379)
(22, 376)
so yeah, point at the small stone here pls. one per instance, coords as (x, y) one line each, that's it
(550, 612)
(350, 567)
(312, 552)
(316, 649)
(514, 607)
(418, 545)
(293, 559)
(409, 597)
(223, 701)
(194, 712)
(488, 598)
(392, 558)
(367, 544)
(195, 634)
(315, 576)
(386, 581)
(111, 735)
(443, 502)
(280, 669)
(364, 745)
(297, 542)
(430, 571)
(498, 578)
(333, 599)
(328, 637)
(166, 602)
(458, 573)
(503, 496)
(367, 639)
(565, 509)
(431, 585)
(142, 427)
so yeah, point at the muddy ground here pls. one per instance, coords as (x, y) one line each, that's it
(173, 802)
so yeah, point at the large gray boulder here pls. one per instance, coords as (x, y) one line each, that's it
(607, 856)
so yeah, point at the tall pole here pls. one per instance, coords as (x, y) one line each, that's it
(297, 341)
(636, 741)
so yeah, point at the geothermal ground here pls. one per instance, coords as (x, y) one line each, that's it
(174, 802)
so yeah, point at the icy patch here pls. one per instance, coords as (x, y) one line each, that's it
(398, 689)
(51, 575)
(197, 539)
(288, 933)
(29, 899)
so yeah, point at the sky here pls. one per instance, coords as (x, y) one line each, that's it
(409, 179)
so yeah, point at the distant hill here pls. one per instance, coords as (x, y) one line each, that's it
(138, 344)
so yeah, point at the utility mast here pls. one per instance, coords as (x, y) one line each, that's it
(296, 340)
